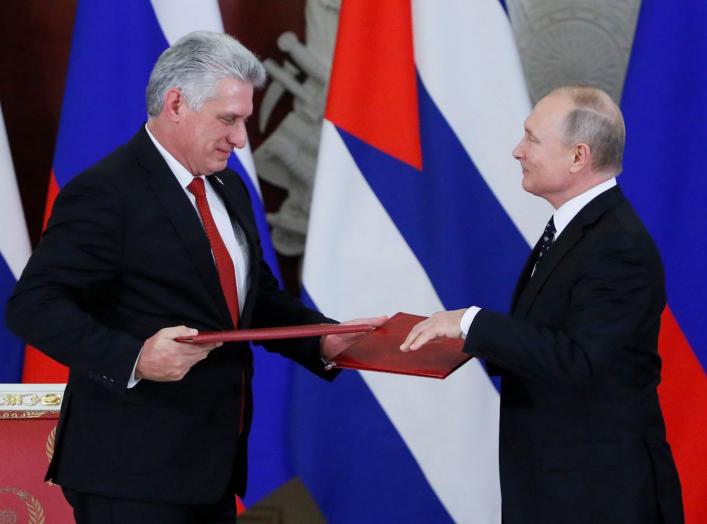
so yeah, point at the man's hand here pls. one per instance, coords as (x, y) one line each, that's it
(164, 360)
(332, 345)
(443, 324)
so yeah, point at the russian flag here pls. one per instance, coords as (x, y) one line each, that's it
(417, 207)
(665, 107)
(14, 252)
(114, 46)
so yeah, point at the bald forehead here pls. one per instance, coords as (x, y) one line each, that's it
(556, 102)
(550, 111)
(590, 98)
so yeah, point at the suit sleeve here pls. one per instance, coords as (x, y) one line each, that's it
(52, 307)
(276, 307)
(578, 335)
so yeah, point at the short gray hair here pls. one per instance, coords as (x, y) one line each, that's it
(196, 63)
(596, 121)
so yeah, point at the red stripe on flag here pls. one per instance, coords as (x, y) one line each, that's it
(240, 506)
(373, 86)
(52, 192)
(39, 368)
(683, 397)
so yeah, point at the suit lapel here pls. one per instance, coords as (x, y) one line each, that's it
(235, 197)
(525, 275)
(171, 197)
(236, 202)
(529, 286)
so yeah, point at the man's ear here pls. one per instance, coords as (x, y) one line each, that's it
(173, 104)
(581, 157)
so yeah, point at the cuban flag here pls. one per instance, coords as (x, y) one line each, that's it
(114, 47)
(665, 107)
(417, 207)
(14, 251)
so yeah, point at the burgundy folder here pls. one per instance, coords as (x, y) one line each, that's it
(379, 350)
(245, 335)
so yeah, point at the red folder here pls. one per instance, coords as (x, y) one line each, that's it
(379, 350)
(273, 333)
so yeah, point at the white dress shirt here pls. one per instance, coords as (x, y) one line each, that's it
(562, 217)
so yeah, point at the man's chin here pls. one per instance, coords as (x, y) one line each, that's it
(219, 165)
(529, 188)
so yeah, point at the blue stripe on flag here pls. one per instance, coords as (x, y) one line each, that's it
(268, 463)
(356, 427)
(11, 348)
(114, 46)
(665, 107)
(447, 214)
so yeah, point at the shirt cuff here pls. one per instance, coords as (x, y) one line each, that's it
(132, 382)
(467, 319)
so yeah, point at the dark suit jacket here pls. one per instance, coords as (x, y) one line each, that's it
(123, 256)
(582, 437)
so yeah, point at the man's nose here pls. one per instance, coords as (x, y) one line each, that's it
(517, 151)
(238, 136)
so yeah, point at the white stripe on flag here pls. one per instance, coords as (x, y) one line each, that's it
(179, 17)
(353, 248)
(468, 62)
(14, 240)
(355, 251)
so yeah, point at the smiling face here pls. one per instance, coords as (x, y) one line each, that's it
(204, 139)
(544, 158)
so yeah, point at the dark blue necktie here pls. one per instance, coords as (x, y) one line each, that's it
(545, 242)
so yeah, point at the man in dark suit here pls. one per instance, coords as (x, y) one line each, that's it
(582, 437)
(140, 250)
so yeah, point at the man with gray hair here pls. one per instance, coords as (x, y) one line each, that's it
(158, 241)
(582, 437)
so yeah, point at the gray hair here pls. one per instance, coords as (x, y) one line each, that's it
(596, 121)
(196, 63)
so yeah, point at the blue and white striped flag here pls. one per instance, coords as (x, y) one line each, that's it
(417, 207)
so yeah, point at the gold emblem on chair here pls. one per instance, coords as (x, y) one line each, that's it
(49, 447)
(30, 399)
(49, 450)
(35, 513)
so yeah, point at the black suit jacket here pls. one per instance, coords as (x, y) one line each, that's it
(123, 256)
(582, 437)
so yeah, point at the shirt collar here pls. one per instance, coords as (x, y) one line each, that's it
(567, 211)
(183, 175)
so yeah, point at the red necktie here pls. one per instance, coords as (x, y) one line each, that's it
(224, 262)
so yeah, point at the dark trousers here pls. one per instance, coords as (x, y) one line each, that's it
(95, 509)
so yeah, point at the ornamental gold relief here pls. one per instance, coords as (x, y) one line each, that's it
(49, 446)
(8, 415)
(30, 399)
(18, 400)
(35, 512)
(563, 42)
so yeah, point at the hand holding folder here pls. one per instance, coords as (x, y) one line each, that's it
(377, 350)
